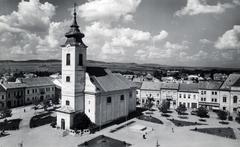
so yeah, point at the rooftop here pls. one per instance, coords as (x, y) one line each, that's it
(209, 85)
(172, 86)
(232, 79)
(184, 87)
(147, 85)
(36, 82)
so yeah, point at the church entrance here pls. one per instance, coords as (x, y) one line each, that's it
(63, 124)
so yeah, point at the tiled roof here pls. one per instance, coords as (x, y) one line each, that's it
(232, 79)
(172, 86)
(237, 83)
(11, 85)
(147, 85)
(36, 82)
(209, 85)
(184, 87)
(138, 84)
(106, 80)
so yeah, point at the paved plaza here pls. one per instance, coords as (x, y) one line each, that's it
(166, 134)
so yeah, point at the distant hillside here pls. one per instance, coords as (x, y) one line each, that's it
(55, 66)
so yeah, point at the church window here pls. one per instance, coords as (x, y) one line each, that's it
(68, 59)
(80, 60)
(109, 100)
(67, 79)
(67, 102)
(122, 98)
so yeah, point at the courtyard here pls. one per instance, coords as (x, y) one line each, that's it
(166, 134)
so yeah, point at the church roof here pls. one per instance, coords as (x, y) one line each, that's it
(106, 81)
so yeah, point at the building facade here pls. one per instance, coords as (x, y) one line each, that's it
(188, 95)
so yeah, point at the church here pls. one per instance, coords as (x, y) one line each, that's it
(102, 95)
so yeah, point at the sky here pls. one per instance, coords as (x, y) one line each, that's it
(166, 32)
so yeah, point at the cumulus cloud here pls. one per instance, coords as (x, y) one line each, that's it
(162, 35)
(108, 10)
(31, 15)
(230, 39)
(195, 7)
(205, 41)
(23, 32)
(106, 40)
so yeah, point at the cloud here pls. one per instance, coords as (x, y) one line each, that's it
(162, 35)
(205, 41)
(106, 40)
(23, 32)
(195, 7)
(31, 15)
(108, 10)
(230, 39)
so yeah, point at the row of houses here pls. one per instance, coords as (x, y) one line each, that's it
(26, 91)
(211, 94)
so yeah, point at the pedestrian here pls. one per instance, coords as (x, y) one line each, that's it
(144, 137)
(172, 130)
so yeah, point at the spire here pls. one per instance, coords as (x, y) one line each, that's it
(74, 35)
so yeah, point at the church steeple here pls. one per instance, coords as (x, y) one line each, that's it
(74, 35)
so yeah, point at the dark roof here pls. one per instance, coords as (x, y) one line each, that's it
(232, 79)
(184, 87)
(13, 85)
(1, 89)
(209, 85)
(172, 86)
(106, 81)
(148, 85)
(237, 83)
(39, 81)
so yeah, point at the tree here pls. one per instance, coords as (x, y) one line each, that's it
(181, 109)
(81, 121)
(6, 113)
(164, 106)
(222, 115)
(202, 112)
(149, 103)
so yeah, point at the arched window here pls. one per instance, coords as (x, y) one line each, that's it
(235, 98)
(67, 79)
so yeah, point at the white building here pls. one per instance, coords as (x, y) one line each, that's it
(188, 95)
(209, 94)
(151, 90)
(100, 94)
(229, 93)
(169, 92)
(38, 89)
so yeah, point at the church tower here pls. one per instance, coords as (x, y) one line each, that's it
(73, 75)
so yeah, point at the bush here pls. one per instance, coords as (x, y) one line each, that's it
(222, 115)
(230, 118)
(181, 109)
(81, 121)
(164, 106)
(6, 113)
(202, 112)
